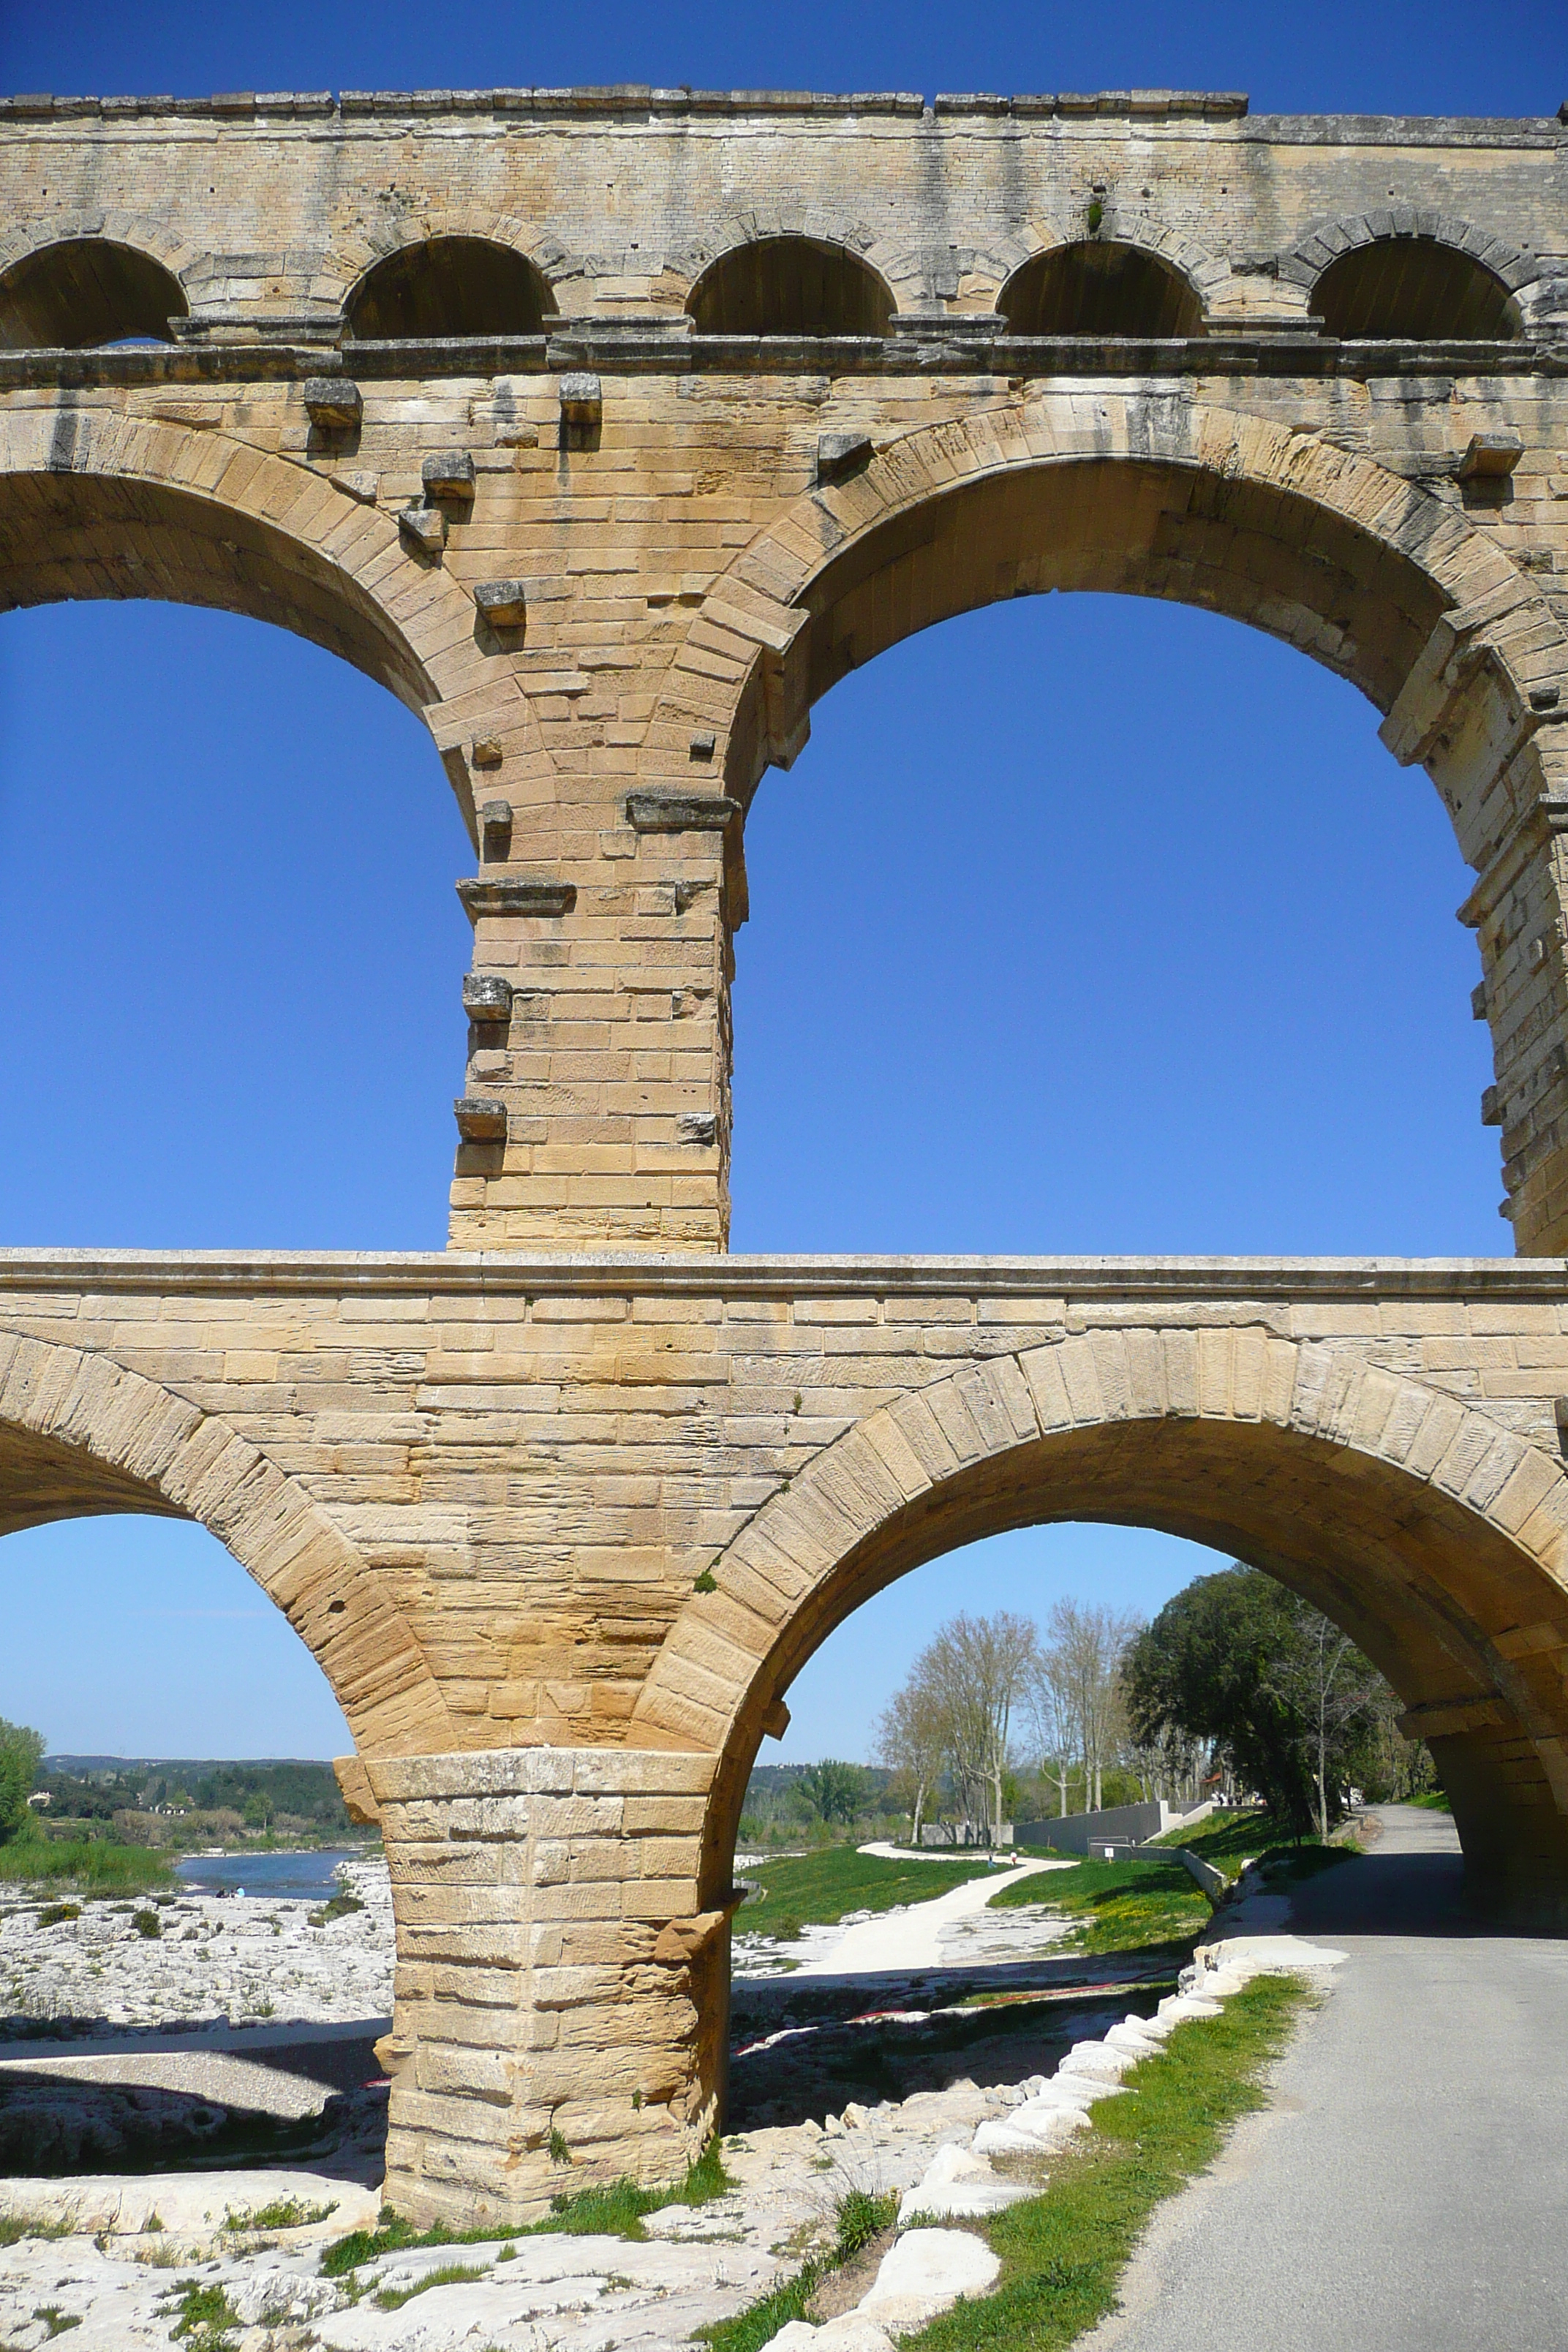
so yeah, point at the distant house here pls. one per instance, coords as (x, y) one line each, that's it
(40, 1800)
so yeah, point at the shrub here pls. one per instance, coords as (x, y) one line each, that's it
(147, 1923)
(21, 1752)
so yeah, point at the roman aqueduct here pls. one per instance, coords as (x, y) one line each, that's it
(608, 429)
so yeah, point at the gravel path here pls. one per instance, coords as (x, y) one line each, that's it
(911, 1940)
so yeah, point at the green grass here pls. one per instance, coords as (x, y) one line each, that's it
(815, 1890)
(1433, 1801)
(614, 2210)
(205, 2317)
(16, 2227)
(1149, 1899)
(1063, 2254)
(860, 2218)
(1117, 1907)
(283, 2213)
(92, 1866)
(448, 2275)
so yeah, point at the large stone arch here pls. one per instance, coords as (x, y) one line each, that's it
(95, 504)
(81, 1435)
(1436, 1536)
(1250, 490)
(1156, 491)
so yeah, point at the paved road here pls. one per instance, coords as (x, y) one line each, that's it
(1408, 2191)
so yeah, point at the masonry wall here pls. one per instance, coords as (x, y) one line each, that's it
(561, 1527)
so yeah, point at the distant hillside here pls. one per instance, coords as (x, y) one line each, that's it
(90, 1787)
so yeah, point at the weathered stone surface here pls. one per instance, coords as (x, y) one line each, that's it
(962, 456)
(554, 1511)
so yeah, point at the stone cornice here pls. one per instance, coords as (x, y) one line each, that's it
(455, 1273)
(961, 345)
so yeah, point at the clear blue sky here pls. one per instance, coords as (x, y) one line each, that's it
(1200, 924)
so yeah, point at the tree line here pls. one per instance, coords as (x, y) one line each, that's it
(1236, 1686)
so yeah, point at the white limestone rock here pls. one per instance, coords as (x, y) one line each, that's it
(959, 2185)
(1095, 2062)
(1034, 2129)
(925, 2274)
(851, 2332)
(1132, 2040)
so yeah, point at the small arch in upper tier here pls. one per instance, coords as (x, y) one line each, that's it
(790, 286)
(1094, 288)
(1414, 287)
(448, 286)
(87, 291)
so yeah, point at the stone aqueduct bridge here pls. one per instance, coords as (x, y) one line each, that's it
(609, 429)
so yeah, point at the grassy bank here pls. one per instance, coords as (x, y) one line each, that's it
(1149, 1899)
(1117, 1907)
(85, 1865)
(1063, 2254)
(816, 1890)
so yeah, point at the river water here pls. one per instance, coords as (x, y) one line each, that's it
(299, 1878)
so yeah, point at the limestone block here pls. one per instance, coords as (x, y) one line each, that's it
(925, 2274)
(334, 401)
(959, 2185)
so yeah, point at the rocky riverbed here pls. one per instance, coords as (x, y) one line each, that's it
(81, 1970)
(163, 2058)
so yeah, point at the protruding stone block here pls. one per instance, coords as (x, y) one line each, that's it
(448, 474)
(480, 1119)
(485, 751)
(660, 812)
(495, 828)
(582, 399)
(839, 455)
(334, 402)
(502, 602)
(1490, 456)
(425, 527)
(486, 996)
(515, 894)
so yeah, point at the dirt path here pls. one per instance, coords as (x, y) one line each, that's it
(912, 1939)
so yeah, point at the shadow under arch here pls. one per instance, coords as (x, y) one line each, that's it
(790, 286)
(1431, 1533)
(1418, 288)
(1100, 286)
(448, 285)
(83, 290)
(82, 1436)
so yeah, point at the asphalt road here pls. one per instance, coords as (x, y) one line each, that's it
(1407, 2189)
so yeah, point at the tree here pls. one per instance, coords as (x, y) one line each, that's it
(912, 1737)
(835, 1790)
(1078, 1694)
(1237, 1659)
(1332, 1686)
(21, 1752)
(955, 1714)
(979, 1670)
